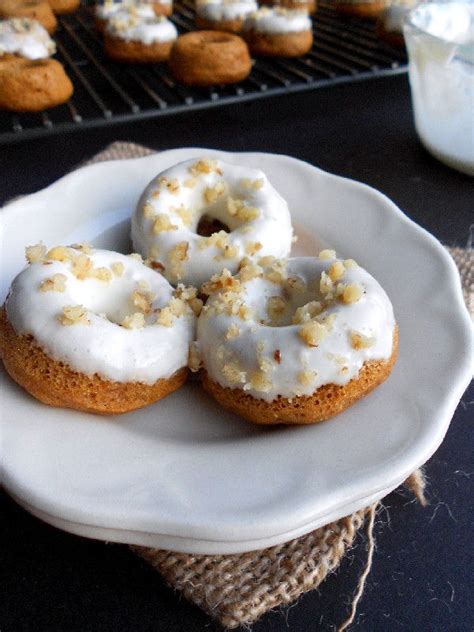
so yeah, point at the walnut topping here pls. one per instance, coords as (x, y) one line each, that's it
(327, 254)
(359, 341)
(212, 194)
(352, 293)
(224, 281)
(276, 305)
(230, 251)
(325, 284)
(253, 247)
(307, 312)
(336, 271)
(59, 253)
(155, 195)
(163, 224)
(266, 261)
(265, 365)
(350, 264)
(194, 357)
(117, 268)
(185, 214)
(277, 356)
(172, 186)
(237, 208)
(149, 209)
(84, 248)
(247, 183)
(165, 317)
(134, 321)
(250, 271)
(136, 256)
(196, 305)
(260, 382)
(142, 301)
(101, 274)
(275, 274)
(306, 378)
(232, 332)
(74, 315)
(82, 267)
(205, 166)
(35, 254)
(178, 255)
(295, 284)
(56, 284)
(233, 374)
(313, 332)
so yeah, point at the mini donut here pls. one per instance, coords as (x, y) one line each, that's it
(109, 10)
(163, 7)
(294, 341)
(95, 330)
(63, 7)
(38, 10)
(360, 8)
(167, 220)
(33, 85)
(139, 40)
(309, 6)
(206, 58)
(228, 15)
(278, 32)
(25, 38)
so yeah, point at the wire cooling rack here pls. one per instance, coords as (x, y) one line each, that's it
(106, 92)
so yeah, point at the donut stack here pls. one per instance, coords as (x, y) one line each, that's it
(211, 291)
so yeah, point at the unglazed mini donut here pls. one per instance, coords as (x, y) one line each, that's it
(166, 221)
(294, 341)
(129, 38)
(25, 38)
(38, 10)
(95, 330)
(278, 32)
(109, 10)
(163, 7)
(63, 7)
(207, 58)
(228, 15)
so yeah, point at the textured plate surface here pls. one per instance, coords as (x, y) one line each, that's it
(185, 475)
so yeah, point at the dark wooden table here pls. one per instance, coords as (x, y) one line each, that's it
(422, 574)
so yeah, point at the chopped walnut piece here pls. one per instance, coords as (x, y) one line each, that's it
(233, 374)
(223, 281)
(101, 274)
(165, 317)
(253, 247)
(249, 272)
(134, 321)
(327, 254)
(277, 356)
(177, 256)
(35, 254)
(82, 267)
(56, 284)
(260, 382)
(212, 194)
(117, 268)
(307, 312)
(184, 214)
(172, 186)
(350, 264)
(360, 341)
(232, 332)
(266, 261)
(352, 293)
(306, 378)
(312, 333)
(84, 248)
(230, 251)
(141, 301)
(59, 253)
(204, 166)
(148, 210)
(248, 183)
(163, 224)
(196, 305)
(248, 213)
(194, 357)
(136, 256)
(74, 315)
(245, 312)
(325, 284)
(276, 305)
(336, 271)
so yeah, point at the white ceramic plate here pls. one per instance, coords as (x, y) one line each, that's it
(185, 475)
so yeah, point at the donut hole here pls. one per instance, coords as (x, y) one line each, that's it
(208, 225)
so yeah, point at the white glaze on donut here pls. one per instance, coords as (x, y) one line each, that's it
(278, 20)
(244, 346)
(145, 30)
(227, 10)
(168, 213)
(97, 343)
(124, 9)
(26, 38)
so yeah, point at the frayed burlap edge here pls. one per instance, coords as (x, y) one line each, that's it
(238, 589)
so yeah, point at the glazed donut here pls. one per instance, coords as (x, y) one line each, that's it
(223, 16)
(128, 38)
(207, 58)
(294, 341)
(278, 32)
(63, 7)
(95, 330)
(38, 10)
(309, 6)
(109, 10)
(25, 38)
(166, 223)
(33, 85)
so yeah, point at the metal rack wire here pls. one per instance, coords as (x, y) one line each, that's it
(344, 50)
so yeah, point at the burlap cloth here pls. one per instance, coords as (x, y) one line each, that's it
(238, 589)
